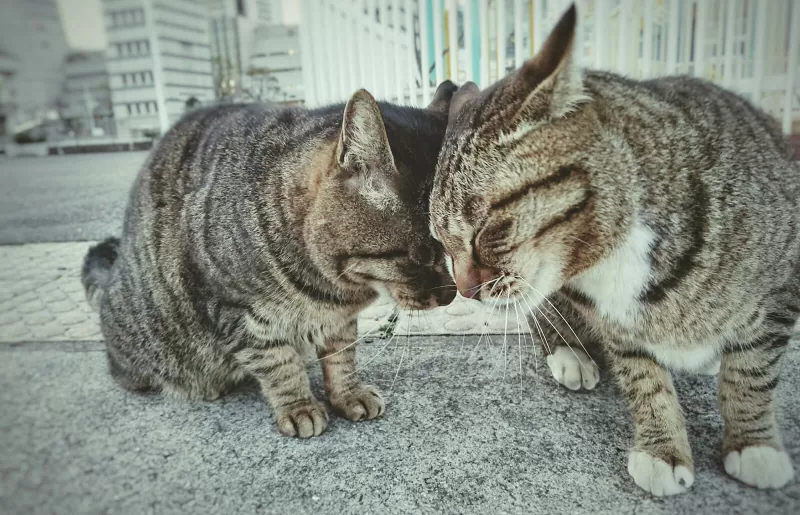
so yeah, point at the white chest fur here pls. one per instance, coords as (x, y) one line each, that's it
(616, 283)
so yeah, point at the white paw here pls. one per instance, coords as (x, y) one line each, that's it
(573, 368)
(711, 369)
(657, 476)
(760, 466)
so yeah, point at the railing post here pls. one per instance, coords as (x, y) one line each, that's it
(624, 32)
(519, 55)
(452, 44)
(700, 38)
(469, 48)
(501, 38)
(647, 44)
(307, 55)
(602, 10)
(483, 19)
(791, 67)
(759, 52)
(672, 37)
(438, 58)
(730, 43)
(424, 44)
(411, 54)
(397, 39)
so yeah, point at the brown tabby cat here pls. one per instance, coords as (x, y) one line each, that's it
(664, 213)
(254, 235)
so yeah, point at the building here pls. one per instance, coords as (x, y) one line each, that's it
(275, 72)
(158, 58)
(32, 51)
(8, 67)
(232, 25)
(269, 12)
(85, 103)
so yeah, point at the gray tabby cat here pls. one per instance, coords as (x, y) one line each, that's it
(255, 234)
(661, 217)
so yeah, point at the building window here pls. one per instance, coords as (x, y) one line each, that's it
(155, 107)
(130, 111)
(124, 79)
(240, 7)
(138, 109)
(147, 107)
(144, 77)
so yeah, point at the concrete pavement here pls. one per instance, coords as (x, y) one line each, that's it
(464, 433)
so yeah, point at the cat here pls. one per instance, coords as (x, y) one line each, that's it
(660, 217)
(254, 235)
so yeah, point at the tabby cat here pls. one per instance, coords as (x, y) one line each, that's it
(255, 234)
(663, 213)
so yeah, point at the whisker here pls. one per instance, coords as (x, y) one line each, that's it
(538, 327)
(580, 240)
(380, 351)
(402, 355)
(562, 318)
(564, 339)
(485, 328)
(505, 338)
(365, 335)
(519, 343)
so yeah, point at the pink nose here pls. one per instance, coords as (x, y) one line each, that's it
(470, 278)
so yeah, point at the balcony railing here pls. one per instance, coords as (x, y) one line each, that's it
(401, 49)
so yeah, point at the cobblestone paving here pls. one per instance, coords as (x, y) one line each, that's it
(41, 299)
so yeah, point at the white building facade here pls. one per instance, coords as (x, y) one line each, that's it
(32, 51)
(158, 58)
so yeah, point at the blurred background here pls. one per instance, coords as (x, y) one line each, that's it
(94, 75)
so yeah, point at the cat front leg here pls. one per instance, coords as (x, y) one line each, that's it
(564, 340)
(348, 397)
(281, 373)
(661, 459)
(752, 448)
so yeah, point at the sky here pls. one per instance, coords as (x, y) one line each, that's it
(83, 21)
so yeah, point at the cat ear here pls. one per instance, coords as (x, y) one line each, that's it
(442, 97)
(467, 91)
(364, 155)
(363, 144)
(552, 80)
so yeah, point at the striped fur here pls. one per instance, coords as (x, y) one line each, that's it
(664, 212)
(254, 236)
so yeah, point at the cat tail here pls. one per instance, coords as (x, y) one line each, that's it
(97, 269)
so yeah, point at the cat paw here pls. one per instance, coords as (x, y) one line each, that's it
(573, 368)
(303, 418)
(760, 466)
(711, 369)
(364, 403)
(657, 476)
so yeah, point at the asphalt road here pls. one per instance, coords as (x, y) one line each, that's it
(65, 198)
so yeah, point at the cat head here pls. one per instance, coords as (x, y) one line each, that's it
(371, 213)
(513, 201)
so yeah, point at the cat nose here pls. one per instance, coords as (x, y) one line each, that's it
(470, 278)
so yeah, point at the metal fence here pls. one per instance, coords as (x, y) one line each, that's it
(401, 49)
